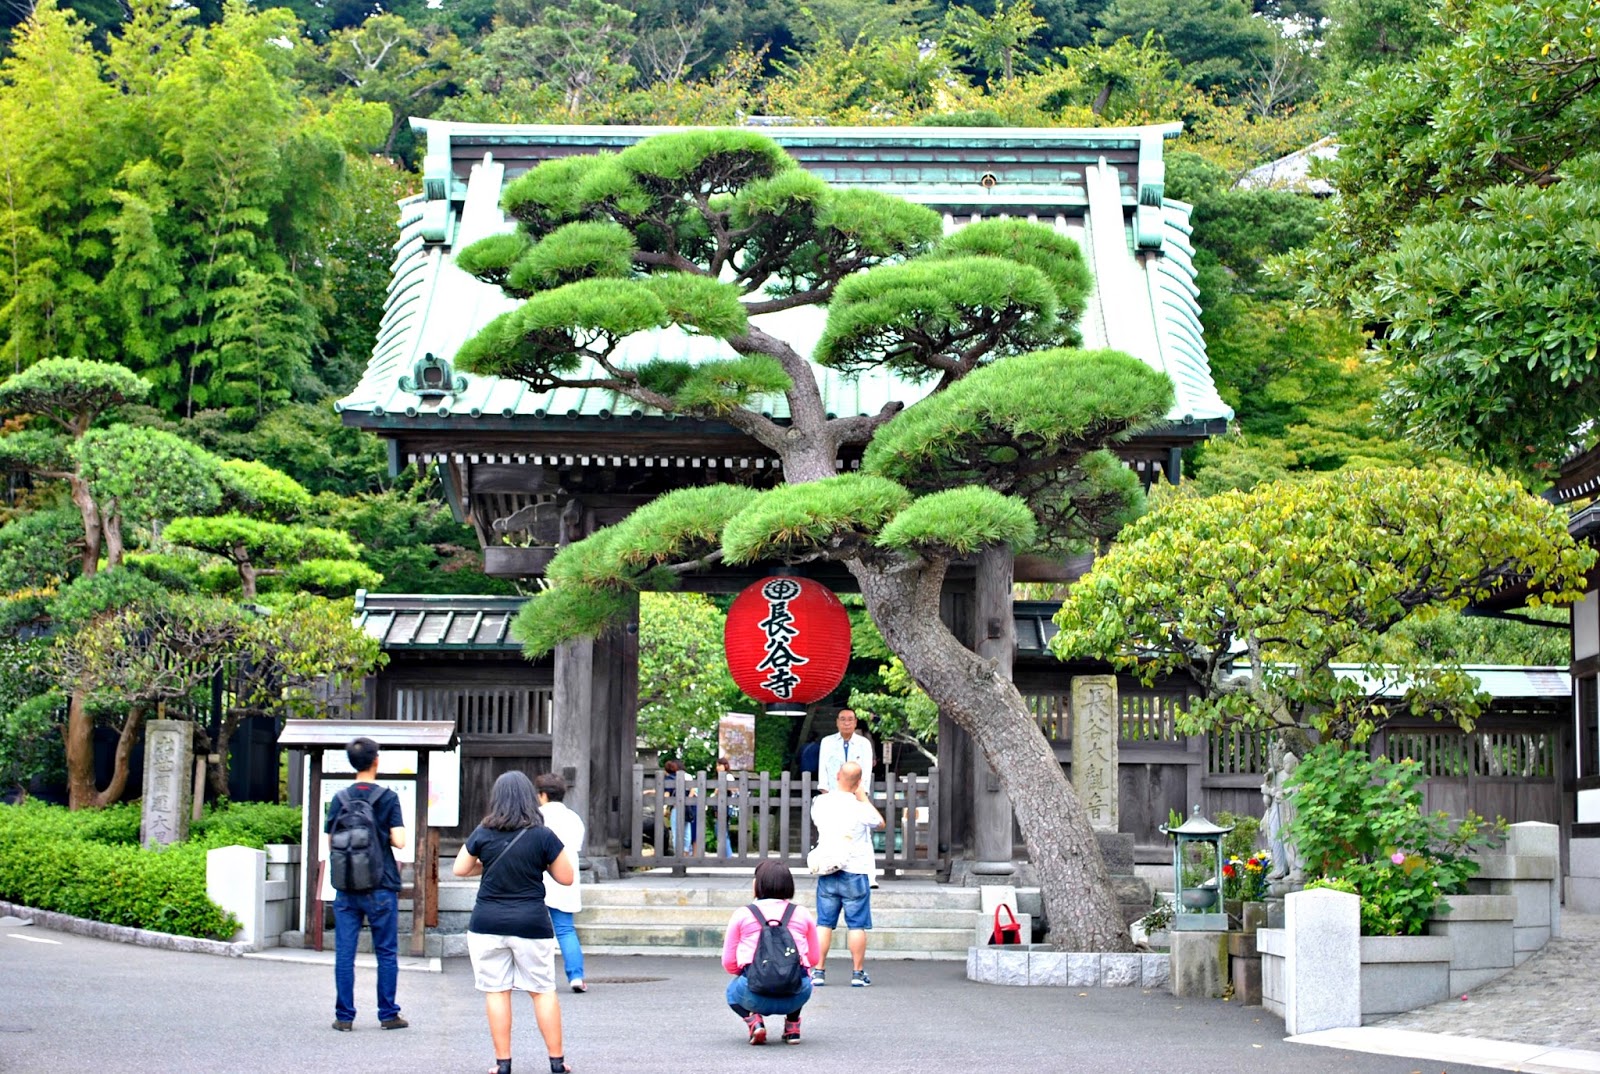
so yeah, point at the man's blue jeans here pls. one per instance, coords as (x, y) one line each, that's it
(567, 939)
(381, 911)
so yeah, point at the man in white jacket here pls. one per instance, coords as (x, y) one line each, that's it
(563, 900)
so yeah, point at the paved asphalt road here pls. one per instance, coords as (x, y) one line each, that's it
(70, 1003)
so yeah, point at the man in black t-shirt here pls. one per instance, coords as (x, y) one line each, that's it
(380, 908)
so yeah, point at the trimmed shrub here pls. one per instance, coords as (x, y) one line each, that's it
(89, 864)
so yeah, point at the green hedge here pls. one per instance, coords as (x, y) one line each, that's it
(90, 864)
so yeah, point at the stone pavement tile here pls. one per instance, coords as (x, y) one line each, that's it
(1548, 1000)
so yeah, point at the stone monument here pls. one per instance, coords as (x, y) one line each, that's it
(1096, 727)
(168, 769)
(1094, 748)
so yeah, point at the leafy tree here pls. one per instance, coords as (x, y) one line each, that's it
(1485, 146)
(576, 48)
(1252, 596)
(1216, 41)
(901, 712)
(31, 713)
(684, 684)
(702, 230)
(287, 658)
(72, 395)
(1381, 33)
(172, 238)
(389, 61)
(78, 608)
(408, 536)
(261, 536)
(997, 44)
(144, 476)
(55, 110)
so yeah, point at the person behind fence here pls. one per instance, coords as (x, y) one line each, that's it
(563, 900)
(509, 936)
(369, 816)
(847, 744)
(844, 819)
(769, 948)
(727, 815)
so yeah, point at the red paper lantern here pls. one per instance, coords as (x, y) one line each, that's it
(787, 640)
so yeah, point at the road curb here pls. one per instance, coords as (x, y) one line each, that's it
(101, 930)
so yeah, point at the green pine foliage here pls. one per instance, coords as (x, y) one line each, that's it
(828, 513)
(960, 522)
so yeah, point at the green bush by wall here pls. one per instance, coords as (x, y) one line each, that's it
(90, 864)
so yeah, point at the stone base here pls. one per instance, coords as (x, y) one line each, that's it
(1040, 965)
(1245, 973)
(1199, 964)
(1117, 849)
(964, 874)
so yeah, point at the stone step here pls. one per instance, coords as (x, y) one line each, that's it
(905, 942)
(717, 916)
(886, 897)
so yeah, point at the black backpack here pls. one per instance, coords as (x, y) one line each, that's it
(355, 848)
(775, 970)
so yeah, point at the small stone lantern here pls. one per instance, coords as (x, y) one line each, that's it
(1199, 902)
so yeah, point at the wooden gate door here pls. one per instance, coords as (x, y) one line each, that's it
(503, 720)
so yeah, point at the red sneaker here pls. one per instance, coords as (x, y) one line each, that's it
(758, 1028)
(791, 1031)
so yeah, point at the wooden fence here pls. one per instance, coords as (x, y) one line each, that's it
(743, 818)
(1509, 765)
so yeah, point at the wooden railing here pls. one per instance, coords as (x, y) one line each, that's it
(745, 818)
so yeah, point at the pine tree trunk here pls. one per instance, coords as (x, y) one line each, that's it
(90, 513)
(113, 535)
(82, 791)
(131, 729)
(1078, 897)
(79, 736)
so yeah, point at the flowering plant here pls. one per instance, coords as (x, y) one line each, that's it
(1246, 878)
(1360, 827)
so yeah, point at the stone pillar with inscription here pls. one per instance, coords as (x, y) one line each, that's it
(168, 772)
(1096, 729)
(1094, 748)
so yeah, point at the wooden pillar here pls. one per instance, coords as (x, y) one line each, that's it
(572, 738)
(996, 640)
(422, 868)
(614, 739)
(955, 790)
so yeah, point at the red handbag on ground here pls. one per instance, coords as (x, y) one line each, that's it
(1005, 932)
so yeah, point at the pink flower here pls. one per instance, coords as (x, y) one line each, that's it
(1398, 857)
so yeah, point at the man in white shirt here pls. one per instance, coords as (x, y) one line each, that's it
(847, 745)
(844, 817)
(563, 900)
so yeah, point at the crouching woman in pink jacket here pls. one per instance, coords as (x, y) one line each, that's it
(774, 890)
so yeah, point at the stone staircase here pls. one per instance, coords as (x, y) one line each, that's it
(660, 914)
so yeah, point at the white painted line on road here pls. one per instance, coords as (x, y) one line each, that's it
(1443, 1047)
(32, 939)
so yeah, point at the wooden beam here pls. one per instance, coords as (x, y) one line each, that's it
(486, 477)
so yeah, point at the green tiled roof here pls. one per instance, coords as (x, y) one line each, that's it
(450, 623)
(1144, 301)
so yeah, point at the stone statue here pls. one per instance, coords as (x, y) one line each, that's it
(1288, 872)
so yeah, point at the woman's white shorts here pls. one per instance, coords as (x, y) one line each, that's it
(503, 963)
